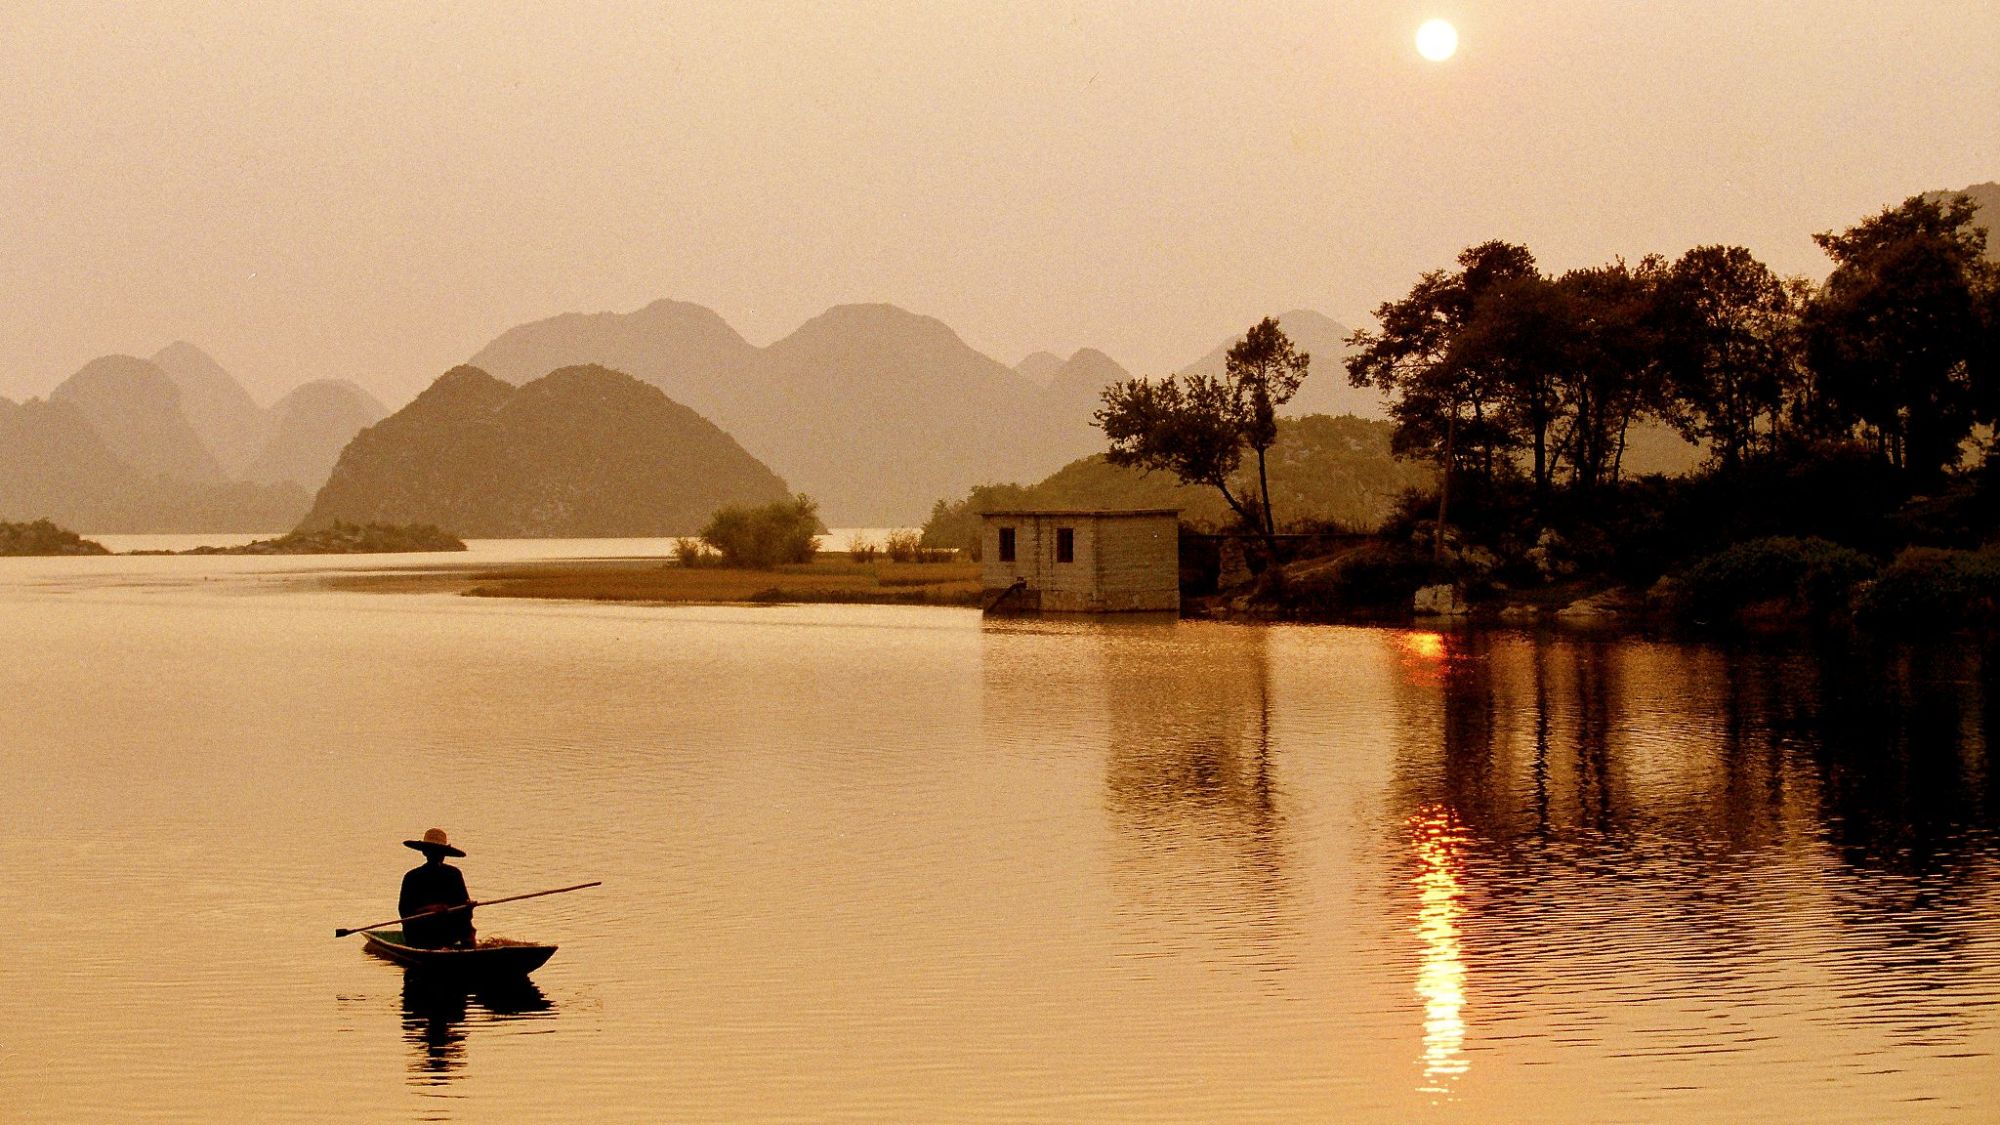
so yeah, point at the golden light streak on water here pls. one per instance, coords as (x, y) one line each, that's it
(1424, 646)
(1436, 836)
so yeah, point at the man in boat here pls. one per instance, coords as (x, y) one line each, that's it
(431, 888)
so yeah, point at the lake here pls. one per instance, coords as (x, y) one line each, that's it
(903, 864)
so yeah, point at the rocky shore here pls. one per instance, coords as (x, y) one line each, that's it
(41, 537)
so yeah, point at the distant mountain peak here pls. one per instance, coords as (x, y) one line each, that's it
(1326, 390)
(135, 407)
(1039, 367)
(584, 450)
(230, 423)
(880, 318)
(460, 380)
(182, 350)
(1091, 357)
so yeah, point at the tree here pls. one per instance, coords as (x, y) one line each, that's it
(783, 531)
(1264, 371)
(1729, 349)
(1896, 335)
(1613, 375)
(1197, 426)
(1449, 406)
(1185, 425)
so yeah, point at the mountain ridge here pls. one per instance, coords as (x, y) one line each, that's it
(583, 451)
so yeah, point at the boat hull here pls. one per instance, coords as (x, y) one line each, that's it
(490, 959)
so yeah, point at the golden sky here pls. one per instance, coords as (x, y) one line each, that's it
(373, 191)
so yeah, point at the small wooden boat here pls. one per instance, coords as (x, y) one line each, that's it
(489, 959)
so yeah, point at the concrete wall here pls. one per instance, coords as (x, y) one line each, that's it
(1122, 563)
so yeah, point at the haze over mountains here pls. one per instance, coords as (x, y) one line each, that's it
(875, 411)
(872, 410)
(173, 443)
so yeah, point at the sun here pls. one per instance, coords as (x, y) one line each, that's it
(1437, 40)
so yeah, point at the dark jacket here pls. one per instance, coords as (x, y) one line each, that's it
(435, 884)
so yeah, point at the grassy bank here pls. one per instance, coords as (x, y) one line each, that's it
(827, 579)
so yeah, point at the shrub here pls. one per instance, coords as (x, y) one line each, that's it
(903, 546)
(1929, 590)
(1372, 581)
(861, 549)
(691, 552)
(1818, 575)
(785, 531)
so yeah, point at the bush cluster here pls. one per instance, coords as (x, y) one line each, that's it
(1811, 573)
(1927, 589)
(1372, 581)
(784, 531)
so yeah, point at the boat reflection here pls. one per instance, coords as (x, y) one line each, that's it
(437, 1014)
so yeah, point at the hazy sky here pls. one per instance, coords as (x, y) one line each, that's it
(373, 191)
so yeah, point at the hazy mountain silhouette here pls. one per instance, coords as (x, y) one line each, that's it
(880, 409)
(1326, 390)
(581, 451)
(54, 465)
(308, 429)
(1039, 367)
(872, 410)
(135, 408)
(232, 427)
(1074, 392)
(684, 349)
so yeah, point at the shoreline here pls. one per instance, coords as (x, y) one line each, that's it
(657, 582)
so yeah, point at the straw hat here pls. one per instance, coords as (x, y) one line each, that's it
(434, 841)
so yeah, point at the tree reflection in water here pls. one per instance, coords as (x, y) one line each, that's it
(1653, 832)
(437, 1013)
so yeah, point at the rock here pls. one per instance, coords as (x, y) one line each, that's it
(44, 538)
(1441, 600)
(1521, 614)
(1551, 556)
(1666, 593)
(1601, 607)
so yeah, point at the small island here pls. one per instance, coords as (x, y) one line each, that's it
(342, 538)
(42, 537)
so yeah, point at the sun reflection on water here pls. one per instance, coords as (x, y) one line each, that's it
(1437, 838)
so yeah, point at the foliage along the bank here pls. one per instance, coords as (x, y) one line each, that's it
(1197, 426)
(1323, 470)
(1501, 372)
(784, 531)
(1837, 419)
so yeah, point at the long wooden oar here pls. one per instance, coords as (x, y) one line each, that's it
(339, 932)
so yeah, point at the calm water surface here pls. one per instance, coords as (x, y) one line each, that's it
(875, 864)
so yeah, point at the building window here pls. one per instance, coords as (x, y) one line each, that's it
(1065, 544)
(1006, 544)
